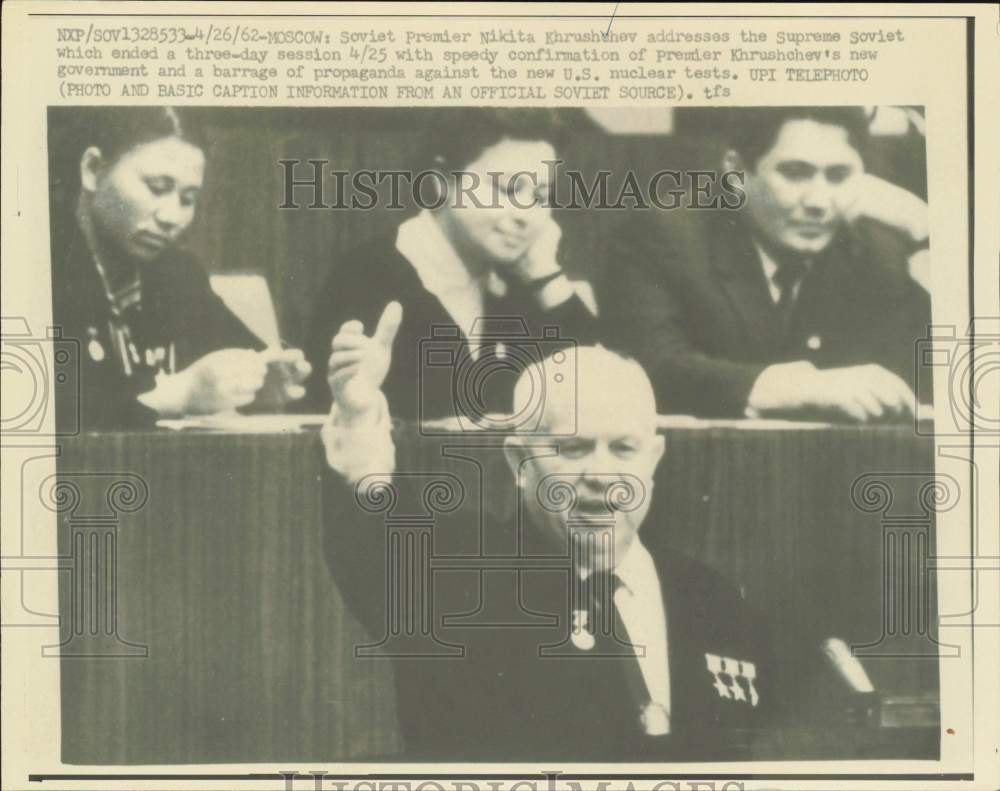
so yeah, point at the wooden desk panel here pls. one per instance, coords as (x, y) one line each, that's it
(222, 583)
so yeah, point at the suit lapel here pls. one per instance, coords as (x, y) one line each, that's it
(693, 697)
(737, 266)
(683, 677)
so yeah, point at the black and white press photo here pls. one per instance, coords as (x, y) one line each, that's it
(499, 397)
(494, 434)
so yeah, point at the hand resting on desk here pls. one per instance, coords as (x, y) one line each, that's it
(861, 393)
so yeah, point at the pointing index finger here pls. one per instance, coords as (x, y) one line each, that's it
(388, 323)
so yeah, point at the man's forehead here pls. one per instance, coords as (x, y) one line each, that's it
(602, 414)
(806, 140)
(589, 386)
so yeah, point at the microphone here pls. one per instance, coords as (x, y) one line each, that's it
(847, 666)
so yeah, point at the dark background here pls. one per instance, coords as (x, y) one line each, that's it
(239, 226)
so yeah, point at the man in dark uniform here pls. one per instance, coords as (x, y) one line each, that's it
(800, 303)
(610, 653)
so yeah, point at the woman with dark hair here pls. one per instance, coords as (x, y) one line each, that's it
(155, 341)
(475, 273)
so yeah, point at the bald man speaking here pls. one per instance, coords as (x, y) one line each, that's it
(615, 654)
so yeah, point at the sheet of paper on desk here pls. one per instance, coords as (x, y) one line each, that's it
(245, 424)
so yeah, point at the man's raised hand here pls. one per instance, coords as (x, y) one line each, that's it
(359, 363)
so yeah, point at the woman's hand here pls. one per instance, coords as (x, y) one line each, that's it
(539, 260)
(287, 369)
(218, 382)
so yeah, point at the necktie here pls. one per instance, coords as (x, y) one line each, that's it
(788, 274)
(611, 638)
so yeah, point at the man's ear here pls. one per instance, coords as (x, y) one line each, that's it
(731, 160)
(91, 165)
(656, 449)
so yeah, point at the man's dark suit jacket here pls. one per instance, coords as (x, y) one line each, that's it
(687, 296)
(361, 285)
(501, 700)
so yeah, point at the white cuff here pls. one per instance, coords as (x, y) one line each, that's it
(561, 289)
(919, 267)
(362, 449)
(555, 292)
